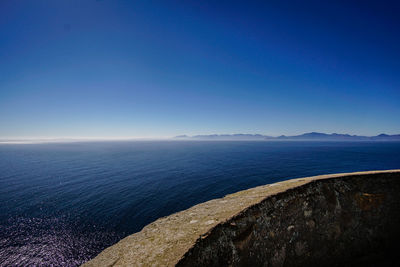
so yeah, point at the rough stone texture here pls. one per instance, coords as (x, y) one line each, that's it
(329, 220)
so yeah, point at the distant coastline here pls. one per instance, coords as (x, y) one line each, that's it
(313, 136)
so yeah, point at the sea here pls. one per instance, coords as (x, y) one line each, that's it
(63, 203)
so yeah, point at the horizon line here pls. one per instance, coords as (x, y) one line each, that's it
(38, 140)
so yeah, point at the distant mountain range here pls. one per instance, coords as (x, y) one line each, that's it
(313, 136)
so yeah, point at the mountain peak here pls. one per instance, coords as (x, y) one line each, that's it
(311, 136)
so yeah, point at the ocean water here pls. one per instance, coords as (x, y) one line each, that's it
(61, 204)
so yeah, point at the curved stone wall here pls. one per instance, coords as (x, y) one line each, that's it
(330, 220)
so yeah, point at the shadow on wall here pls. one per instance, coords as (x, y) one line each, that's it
(351, 221)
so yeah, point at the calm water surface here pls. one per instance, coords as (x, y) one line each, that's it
(61, 204)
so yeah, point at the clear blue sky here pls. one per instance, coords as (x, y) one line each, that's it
(164, 68)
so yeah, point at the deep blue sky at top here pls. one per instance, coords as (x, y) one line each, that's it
(163, 68)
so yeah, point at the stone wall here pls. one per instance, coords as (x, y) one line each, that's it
(330, 220)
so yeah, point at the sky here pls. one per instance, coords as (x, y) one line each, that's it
(128, 69)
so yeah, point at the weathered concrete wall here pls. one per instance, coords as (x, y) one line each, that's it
(331, 220)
